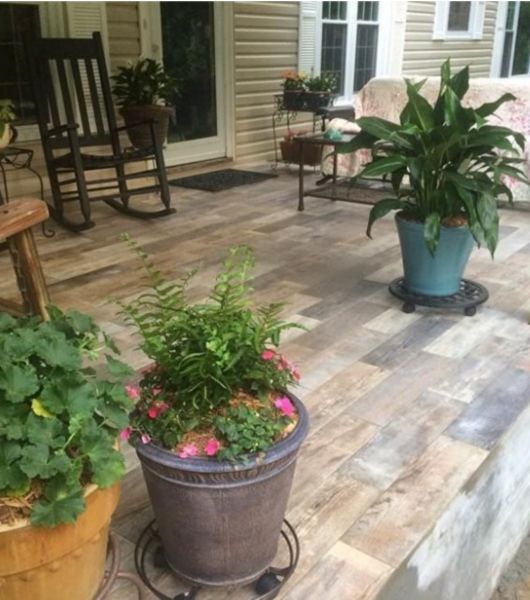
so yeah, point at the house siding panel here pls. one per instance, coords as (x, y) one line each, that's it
(423, 55)
(265, 44)
(124, 33)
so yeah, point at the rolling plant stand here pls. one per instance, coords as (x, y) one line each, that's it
(268, 586)
(468, 297)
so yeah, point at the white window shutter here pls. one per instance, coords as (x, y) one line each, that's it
(307, 37)
(83, 18)
(441, 15)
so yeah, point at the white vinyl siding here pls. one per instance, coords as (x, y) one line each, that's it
(124, 33)
(423, 56)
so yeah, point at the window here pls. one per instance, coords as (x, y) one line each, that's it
(458, 20)
(516, 45)
(17, 20)
(349, 43)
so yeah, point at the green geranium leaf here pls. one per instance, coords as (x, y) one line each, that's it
(18, 382)
(63, 509)
(107, 465)
(54, 348)
(36, 461)
(7, 322)
(48, 431)
(11, 476)
(117, 368)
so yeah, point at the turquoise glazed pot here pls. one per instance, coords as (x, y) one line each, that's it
(437, 275)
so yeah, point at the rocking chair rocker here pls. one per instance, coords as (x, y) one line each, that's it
(71, 86)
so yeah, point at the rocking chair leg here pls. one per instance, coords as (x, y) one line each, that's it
(165, 195)
(122, 184)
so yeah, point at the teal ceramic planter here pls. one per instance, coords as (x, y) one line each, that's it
(437, 275)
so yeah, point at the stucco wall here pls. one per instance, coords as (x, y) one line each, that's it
(423, 55)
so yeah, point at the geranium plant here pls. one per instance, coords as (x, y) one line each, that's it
(7, 114)
(293, 81)
(217, 386)
(326, 82)
(59, 419)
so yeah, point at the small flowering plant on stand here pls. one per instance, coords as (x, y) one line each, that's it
(218, 384)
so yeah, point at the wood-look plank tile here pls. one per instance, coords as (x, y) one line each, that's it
(394, 524)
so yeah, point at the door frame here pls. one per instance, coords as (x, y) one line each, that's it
(223, 144)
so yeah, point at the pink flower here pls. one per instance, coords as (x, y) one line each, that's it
(155, 391)
(295, 373)
(268, 354)
(157, 409)
(150, 369)
(212, 447)
(125, 434)
(188, 450)
(284, 405)
(146, 438)
(133, 391)
(283, 363)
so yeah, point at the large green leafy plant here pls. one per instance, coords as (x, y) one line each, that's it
(144, 83)
(59, 420)
(447, 164)
(217, 377)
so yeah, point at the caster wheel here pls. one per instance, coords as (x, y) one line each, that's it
(159, 558)
(469, 311)
(266, 583)
(408, 307)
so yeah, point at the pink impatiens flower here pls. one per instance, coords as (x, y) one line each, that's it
(157, 409)
(133, 391)
(155, 391)
(188, 450)
(268, 354)
(146, 438)
(125, 434)
(212, 447)
(295, 373)
(284, 405)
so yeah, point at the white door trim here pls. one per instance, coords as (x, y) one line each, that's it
(151, 46)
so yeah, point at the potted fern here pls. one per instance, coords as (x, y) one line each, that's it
(59, 463)
(145, 92)
(215, 427)
(447, 165)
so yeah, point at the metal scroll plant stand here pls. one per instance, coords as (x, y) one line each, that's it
(268, 586)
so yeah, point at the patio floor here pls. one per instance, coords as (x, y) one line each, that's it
(404, 407)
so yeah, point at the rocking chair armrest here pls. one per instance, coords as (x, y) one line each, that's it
(61, 129)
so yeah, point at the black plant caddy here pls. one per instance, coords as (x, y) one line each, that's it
(267, 586)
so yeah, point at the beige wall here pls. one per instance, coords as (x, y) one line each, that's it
(423, 55)
(265, 44)
(124, 32)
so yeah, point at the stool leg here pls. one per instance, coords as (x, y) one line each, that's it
(30, 277)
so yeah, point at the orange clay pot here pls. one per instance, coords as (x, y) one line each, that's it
(61, 563)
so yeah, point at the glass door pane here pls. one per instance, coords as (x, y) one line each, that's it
(189, 54)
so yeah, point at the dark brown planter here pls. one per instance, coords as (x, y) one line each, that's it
(293, 100)
(140, 135)
(291, 153)
(220, 522)
(314, 101)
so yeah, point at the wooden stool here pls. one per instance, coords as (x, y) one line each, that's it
(16, 220)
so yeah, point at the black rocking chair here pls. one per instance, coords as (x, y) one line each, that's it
(71, 86)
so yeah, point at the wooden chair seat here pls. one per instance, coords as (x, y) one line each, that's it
(16, 220)
(101, 161)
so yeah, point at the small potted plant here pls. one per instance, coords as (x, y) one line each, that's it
(291, 150)
(215, 427)
(7, 116)
(293, 85)
(319, 91)
(145, 92)
(447, 166)
(59, 463)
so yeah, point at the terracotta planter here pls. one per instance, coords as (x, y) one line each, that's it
(220, 522)
(67, 561)
(140, 135)
(291, 153)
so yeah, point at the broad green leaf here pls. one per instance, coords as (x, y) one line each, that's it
(421, 112)
(431, 231)
(47, 431)
(382, 208)
(11, 476)
(361, 140)
(459, 83)
(7, 322)
(36, 461)
(488, 108)
(64, 509)
(117, 368)
(54, 348)
(18, 382)
(382, 166)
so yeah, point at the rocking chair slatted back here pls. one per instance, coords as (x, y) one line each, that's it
(72, 75)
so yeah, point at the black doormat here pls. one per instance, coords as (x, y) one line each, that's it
(217, 181)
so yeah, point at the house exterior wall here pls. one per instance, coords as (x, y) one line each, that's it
(123, 22)
(423, 56)
(265, 44)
